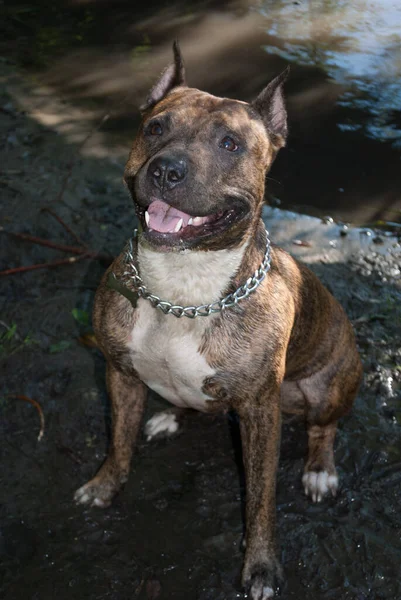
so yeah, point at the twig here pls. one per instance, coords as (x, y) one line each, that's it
(56, 263)
(43, 242)
(83, 251)
(66, 227)
(70, 453)
(38, 408)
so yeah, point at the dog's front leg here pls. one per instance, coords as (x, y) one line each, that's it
(260, 433)
(127, 402)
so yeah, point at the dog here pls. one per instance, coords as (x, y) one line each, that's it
(202, 310)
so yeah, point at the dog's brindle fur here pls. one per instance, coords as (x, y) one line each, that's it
(287, 347)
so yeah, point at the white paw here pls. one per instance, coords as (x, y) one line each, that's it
(87, 495)
(261, 592)
(317, 485)
(161, 423)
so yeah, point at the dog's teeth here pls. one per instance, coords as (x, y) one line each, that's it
(197, 221)
(147, 218)
(190, 221)
(178, 226)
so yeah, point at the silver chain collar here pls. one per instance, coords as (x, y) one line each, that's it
(131, 275)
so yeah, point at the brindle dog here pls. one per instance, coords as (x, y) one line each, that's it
(196, 173)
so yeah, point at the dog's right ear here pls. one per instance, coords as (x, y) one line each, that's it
(171, 77)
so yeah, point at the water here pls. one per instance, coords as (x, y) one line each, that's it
(357, 45)
(344, 93)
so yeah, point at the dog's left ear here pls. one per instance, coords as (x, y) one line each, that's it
(270, 105)
(171, 77)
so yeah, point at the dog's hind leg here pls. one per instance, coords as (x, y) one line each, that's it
(127, 403)
(320, 475)
(328, 397)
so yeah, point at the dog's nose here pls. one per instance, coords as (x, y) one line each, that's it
(168, 171)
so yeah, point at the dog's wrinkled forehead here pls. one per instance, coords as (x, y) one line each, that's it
(194, 110)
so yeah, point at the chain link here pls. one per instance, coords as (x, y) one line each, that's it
(131, 275)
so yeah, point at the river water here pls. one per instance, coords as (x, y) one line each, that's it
(344, 93)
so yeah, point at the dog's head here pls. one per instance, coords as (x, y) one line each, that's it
(197, 167)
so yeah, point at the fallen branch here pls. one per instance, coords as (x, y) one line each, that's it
(62, 247)
(70, 453)
(66, 227)
(38, 408)
(56, 263)
(43, 242)
(82, 253)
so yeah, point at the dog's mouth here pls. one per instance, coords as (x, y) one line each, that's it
(164, 224)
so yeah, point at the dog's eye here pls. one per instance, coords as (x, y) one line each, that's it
(155, 129)
(228, 144)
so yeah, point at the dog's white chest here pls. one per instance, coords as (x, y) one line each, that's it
(165, 350)
(165, 354)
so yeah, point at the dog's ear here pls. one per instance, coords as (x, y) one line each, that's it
(171, 77)
(270, 105)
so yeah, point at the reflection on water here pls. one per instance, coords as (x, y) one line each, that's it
(343, 95)
(357, 44)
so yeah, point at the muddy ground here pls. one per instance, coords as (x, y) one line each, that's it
(175, 530)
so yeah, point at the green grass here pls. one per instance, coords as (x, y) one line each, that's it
(11, 341)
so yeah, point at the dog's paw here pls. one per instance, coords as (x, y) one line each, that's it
(95, 493)
(161, 424)
(263, 582)
(318, 484)
(260, 591)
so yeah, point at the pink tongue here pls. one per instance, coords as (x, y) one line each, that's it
(164, 218)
